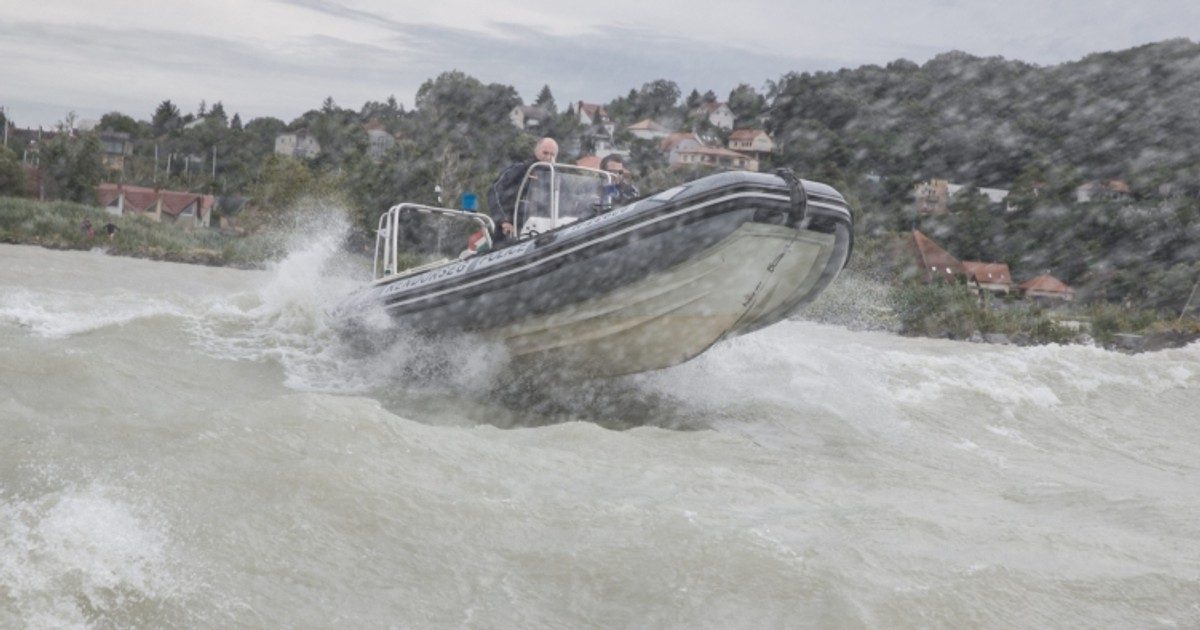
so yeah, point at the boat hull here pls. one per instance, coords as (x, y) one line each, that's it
(640, 288)
(674, 315)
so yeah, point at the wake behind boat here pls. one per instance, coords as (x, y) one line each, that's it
(601, 292)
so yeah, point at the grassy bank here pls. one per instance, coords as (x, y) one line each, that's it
(957, 312)
(57, 225)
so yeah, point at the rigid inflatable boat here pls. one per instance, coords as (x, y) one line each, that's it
(601, 291)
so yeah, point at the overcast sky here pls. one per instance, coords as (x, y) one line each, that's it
(283, 57)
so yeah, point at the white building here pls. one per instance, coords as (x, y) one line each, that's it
(528, 117)
(379, 142)
(648, 130)
(718, 114)
(673, 144)
(751, 141)
(299, 144)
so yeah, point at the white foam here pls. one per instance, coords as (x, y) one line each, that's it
(53, 313)
(286, 320)
(71, 556)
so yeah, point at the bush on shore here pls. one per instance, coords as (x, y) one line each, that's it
(957, 312)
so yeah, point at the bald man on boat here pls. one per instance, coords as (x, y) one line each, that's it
(502, 195)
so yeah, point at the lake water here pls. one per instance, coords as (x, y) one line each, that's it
(193, 446)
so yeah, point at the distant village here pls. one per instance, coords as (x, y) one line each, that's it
(597, 136)
(743, 151)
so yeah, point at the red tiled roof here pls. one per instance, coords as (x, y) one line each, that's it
(646, 125)
(673, 140)
(1046, 283)
(746, 134)
(176, 202)
(935, 261)
(142, 199)
(714, 151)
(107, 193)
(984, 272)
(139, 198)
(592, 109)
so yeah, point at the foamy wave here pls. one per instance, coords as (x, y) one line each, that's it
(286, 320)
(64, 313)
(83, 557)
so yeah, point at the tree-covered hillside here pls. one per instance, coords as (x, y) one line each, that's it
(1128, 115)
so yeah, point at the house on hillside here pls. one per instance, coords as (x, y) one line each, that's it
(676, 142)
(751, 141)
(379, 141)
(300, 144)
(1046, 287)
(598, 140)
(716, 113)
(994, 277)
(933, 196)
(181, 208)
(114, 146)
(528, 117)
(587, 114)
(935, 264)
(1097, 190)
(716, 157)
(648, 130)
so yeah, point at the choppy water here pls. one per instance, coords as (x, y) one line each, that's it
(189, 446)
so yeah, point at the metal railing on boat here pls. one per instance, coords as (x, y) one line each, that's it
(387, 236)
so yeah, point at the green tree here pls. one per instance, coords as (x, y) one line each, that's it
(282, 181)
(656, 99)
(72, 166)
(12, 175)
(166, 118)
(747, 105)
(218, 113)
(545, 100)
(116, 121)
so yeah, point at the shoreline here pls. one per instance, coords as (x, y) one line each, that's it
(202, 257)
(858, 302)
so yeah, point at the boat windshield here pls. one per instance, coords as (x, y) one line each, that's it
(553, 195)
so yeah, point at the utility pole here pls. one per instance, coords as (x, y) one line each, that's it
(5, 112)
(1189, 301)
(214, 164)
(156, 162)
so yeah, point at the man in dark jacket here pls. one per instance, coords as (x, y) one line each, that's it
(502, 196)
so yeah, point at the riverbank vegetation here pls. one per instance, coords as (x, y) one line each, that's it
(60, 225)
